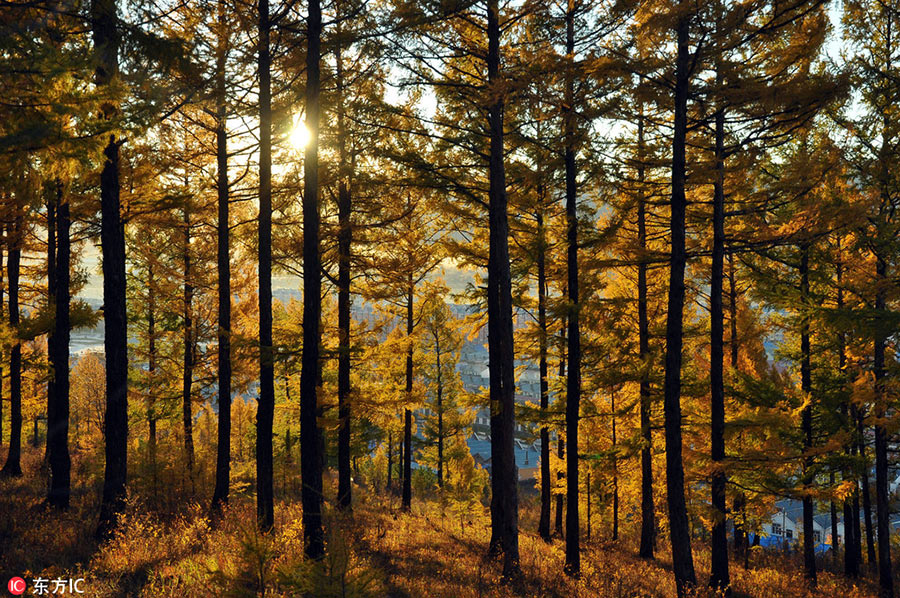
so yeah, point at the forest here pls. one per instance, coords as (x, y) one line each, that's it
(450, 298)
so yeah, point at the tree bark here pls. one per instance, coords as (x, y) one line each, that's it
(573, 380)
(406, 502)
(504, 483)
(265, 411)
(679, 530)
(871, 557)
(223, 267)
(544, 522)
(648, 511)
(187, 412)
(112, 240)
(809, 546)
(58, 406)
(345, 239)
(882, 496)
(719, 577)
(311, 446)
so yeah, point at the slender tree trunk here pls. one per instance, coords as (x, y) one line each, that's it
(345, 239)
(648, 511)
(58, 422)
(223, 263)
(440, 408)
(719, 577)
(882, 497)
(573, 381)
(112, 241)
(871, 558)
(311, 446)
(560, 442)
(265, 412)
(390, 460)
(544, 522)
(615, 480)
(852, 555)
(407, 413)
(151, 372)
(504, 499)
(809, 546)
(679, 530)
(187, 412)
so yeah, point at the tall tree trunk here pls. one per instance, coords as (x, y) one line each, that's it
(345, 239)
(648, 511)
(679, 530)
(311, 446)
(809, 546)
(560, 442)
(52, 202)
(407, 413)
(151, 372)
(615, 480)
(265, 412)
(739, 505)
(504, 482)
(871, 558)
(852, 545)
(573, 381)
(187, 412)
(58, 416)
(223, 263)
(544, 522)
(719, 577)
(440, 408)
(112, 241)
(882, 497)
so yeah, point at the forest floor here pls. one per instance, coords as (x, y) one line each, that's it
(378, 551)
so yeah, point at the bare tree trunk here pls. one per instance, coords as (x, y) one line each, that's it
(809, 546)
(679, 530)
(311, 445)
(504, 499)
(187, 413)
(648, 511)
(406, 502)
(58, 406)
(573, 380)
(112, 241)
(544, 522)
(223, 267)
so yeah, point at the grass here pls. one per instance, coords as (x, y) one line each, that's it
(377, 551)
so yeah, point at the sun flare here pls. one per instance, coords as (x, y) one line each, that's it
(299, 136)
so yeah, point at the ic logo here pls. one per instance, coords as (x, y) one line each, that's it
(16, 586)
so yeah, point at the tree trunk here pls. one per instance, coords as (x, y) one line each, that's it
(440, 409)
(58, 415)
(882, 496)
(345, 239)
(504, 482)
(648, 511)
(809, 546)
(560, 443)
(265, 411)
(223, 263)
(679, 530)
(187, 412)
(615, 502)
(544, 522)
(112, 241)
(151, 372)
(867, 500)
(407, 413)
(719, 577)
(573, 381)
(311, 446)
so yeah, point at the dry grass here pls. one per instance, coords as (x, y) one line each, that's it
(377, 552)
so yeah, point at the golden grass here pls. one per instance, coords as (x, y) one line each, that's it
(376, 552)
